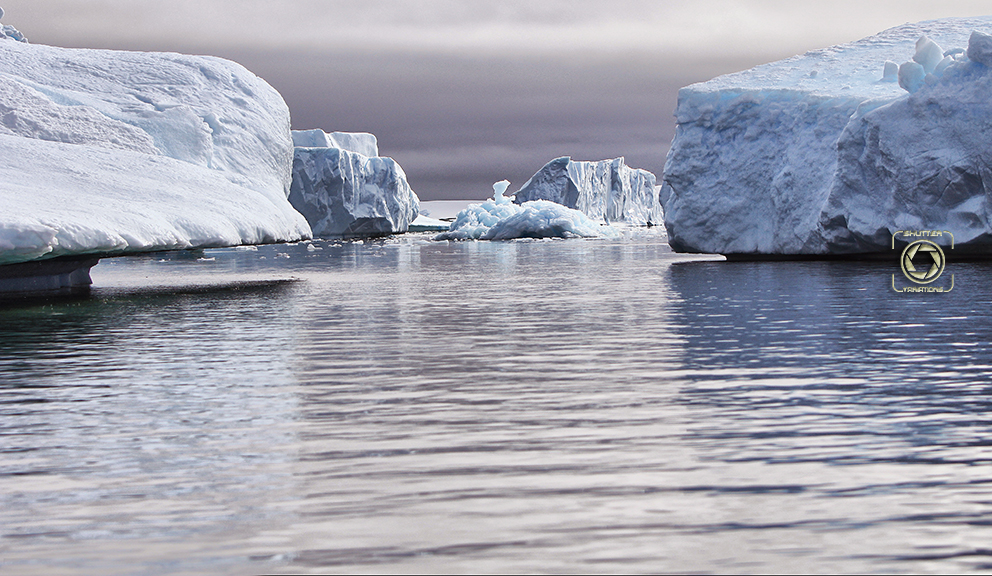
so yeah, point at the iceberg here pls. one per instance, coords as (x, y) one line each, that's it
(107, 152)
(344, 193)
(607, 190)
(833, 151)
(500, 219)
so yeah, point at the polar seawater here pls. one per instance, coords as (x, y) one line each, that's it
(403, 405)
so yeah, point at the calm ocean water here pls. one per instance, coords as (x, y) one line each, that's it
(529, 406)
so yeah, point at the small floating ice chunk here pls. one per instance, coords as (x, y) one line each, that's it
(939, 70)
(980, 48)
(890, 72)
(928, 54)
(911, 76)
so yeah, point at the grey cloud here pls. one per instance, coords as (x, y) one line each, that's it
(457, 123)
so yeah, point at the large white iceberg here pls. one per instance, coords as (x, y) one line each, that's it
(343, 192)
(833, 151)
(607, 190)
(500, 219)
(106, 152)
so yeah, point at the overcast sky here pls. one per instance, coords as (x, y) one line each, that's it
(464, 93)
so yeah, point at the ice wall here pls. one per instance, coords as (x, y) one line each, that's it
(607, 190)
(106, 151)
(831, 151)
(344, 193)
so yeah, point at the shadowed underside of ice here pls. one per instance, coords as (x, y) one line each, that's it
(607, 190)
(827, 153)
(500, 219)
(345, 193)
(105, 151)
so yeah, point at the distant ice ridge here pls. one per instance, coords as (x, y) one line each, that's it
(606, 191)
(500, 219)
(827, 153)
(344, 192)
(112, 152)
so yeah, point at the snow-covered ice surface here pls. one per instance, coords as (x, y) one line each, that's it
(361, 142)
(344, 193)
(834, 150)
(110, 152)
(500, 219)
(607, 190)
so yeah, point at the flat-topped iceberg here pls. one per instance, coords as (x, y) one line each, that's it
(500, 219)
(607, 190)
(115, 152)
(344, 193)
(833, 151)
(360, 142)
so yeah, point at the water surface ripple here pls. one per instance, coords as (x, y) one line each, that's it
(534, 406)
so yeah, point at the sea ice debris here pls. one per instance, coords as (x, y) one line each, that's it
(500, 219)
(890, 71)
(911, 76)
(928, 54)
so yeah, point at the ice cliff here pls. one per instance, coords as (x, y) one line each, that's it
(112, 152)
(832, 151)
(607, 190)
(344, 192)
